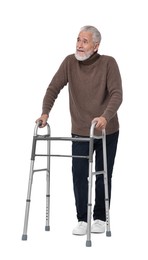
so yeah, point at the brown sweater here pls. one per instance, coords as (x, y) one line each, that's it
(95, 89)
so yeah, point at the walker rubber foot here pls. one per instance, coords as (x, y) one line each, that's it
(47, 228)
(24, 237)
(108, 233)
(88, 243)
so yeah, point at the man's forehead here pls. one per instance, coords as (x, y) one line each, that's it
(85, 34)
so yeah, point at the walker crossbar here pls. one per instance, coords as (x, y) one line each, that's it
(63, 155)
(89, 139)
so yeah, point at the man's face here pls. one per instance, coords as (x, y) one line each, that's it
(85, 46)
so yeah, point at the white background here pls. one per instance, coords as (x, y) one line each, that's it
(35, 36)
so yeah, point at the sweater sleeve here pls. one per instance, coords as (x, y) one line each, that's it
(114, 88)
(59, 80)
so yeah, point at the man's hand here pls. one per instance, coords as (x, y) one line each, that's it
(101, 122)
(43, 119)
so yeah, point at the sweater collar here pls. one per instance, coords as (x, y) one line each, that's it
(91, 59)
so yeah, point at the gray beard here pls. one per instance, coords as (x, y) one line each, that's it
(85, 57)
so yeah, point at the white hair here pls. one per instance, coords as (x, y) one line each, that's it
(95, 33)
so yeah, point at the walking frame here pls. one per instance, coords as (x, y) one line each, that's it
(89, 139)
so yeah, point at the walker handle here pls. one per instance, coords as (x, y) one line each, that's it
(38, 124)
(93, 125)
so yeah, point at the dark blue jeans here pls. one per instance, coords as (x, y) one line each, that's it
(80, 175)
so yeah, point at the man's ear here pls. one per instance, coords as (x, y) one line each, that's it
(96, 47)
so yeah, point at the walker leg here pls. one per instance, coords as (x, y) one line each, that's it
(24, 236)
(47, 226)
(89, 207)
(108, 232)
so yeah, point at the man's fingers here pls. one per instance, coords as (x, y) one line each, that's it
(42, 120)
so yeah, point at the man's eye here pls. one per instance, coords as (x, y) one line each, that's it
(85, 41)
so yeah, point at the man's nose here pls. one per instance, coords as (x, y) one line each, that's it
(80, 44)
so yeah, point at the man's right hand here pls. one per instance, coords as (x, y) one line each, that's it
(43, 119)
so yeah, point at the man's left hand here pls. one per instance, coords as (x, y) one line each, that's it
(101, 122)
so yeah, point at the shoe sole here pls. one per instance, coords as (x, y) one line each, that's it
(98, 232)
(78, 234)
